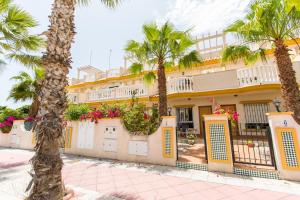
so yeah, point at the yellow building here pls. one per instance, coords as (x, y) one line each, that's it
(249, 90)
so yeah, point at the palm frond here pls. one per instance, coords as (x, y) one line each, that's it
(189, 60)
(30, 43)
(24, 89)
(4, 5)
(26, 59)
(136, 68)
(151, 31)
(19, 18)
(149, 77)
(235, 53)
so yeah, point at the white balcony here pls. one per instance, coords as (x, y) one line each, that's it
(123, 92)
(221, 80)
(257, 76)
(73, 97)
(180, 85)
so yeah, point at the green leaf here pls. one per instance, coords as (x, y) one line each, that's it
(189, 60)
(235, 53)
(149, 77)
(136, 68)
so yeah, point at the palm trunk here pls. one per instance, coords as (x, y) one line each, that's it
(34, 108)
(289, 86)
(162, 89)
(47, 163)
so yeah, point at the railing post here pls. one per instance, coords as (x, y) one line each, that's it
(286, 139)
(219, 151)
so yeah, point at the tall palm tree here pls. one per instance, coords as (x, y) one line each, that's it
(16, 42)
(47, 163)
(269, 21)
(162, 47)
(26, 88)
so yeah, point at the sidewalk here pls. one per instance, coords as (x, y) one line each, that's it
(103, 179)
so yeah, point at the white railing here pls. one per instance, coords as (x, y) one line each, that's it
(102, 94)
(181, 84)
(73, 97)
(128, 91)
(117, 93)
(257, 75)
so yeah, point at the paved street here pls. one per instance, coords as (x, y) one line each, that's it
(105, 179)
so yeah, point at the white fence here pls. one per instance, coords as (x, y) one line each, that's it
(257, 76)
(181, 84)
(117, 93)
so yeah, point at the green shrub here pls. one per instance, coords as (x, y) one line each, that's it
(74, 111)
(24, 110)
(138, 121)
(7, 112)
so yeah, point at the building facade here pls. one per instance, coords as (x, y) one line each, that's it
(192, 93)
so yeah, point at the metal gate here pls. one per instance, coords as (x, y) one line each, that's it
(252, 144)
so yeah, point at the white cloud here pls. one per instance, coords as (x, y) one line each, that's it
(204, 15)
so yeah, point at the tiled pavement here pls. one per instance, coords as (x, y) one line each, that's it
(100, 179)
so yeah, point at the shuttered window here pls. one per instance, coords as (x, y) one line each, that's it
(256, 113)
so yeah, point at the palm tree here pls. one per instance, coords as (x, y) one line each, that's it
(26, 88)
(269, 21)
(15, 41)
(162, 47)
(47, 163)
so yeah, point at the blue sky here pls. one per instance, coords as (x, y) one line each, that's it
(100, 29)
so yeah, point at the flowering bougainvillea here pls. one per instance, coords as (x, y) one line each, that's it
(233, 116)
(104, 111)
(7, 124)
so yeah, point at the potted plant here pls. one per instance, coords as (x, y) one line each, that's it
(191, 138)
(28, 123)
(6, 126)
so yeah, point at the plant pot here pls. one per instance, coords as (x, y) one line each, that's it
(191, 142)
(6, 129)
(28, 125)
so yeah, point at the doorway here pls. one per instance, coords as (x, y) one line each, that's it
(203, 110)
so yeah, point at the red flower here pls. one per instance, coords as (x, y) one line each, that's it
(146, 116)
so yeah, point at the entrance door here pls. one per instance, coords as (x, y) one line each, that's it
(203, 110)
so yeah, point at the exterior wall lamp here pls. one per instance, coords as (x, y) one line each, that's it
(169, 111)
(277, 103)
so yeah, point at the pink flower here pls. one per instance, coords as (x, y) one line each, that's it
(235, 116)
(2, 125)
(8, 123)
(10, 119)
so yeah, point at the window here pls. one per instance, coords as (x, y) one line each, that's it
(255, 114)
(185, 118)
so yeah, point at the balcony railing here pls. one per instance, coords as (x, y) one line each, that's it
(257, 76)
(117, 93)
(73, 97)
(181, 84)
(222, 80)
